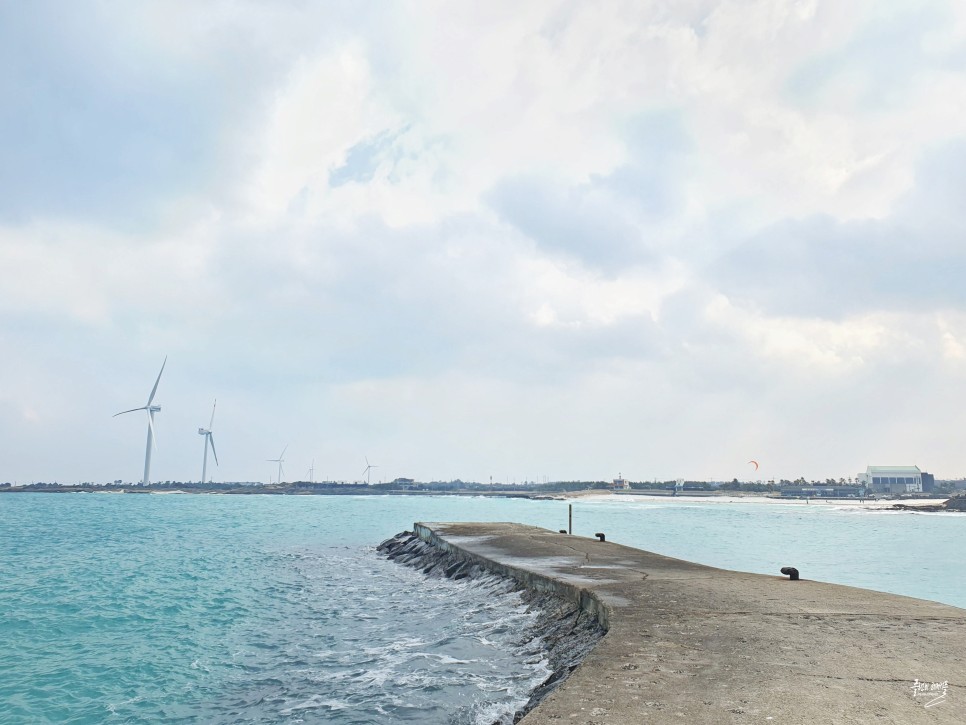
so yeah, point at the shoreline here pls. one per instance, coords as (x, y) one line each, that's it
(582, 495)
(758, 499)
(693, 643)
(907, 505)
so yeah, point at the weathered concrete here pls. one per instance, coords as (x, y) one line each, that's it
(694, 644)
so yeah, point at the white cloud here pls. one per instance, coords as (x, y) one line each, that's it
(810, 347)
(470, 240)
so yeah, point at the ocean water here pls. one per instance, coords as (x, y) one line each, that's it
(914, 554)
(277, 609)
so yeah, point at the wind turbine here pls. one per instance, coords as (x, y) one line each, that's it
(206, 432)
(311, 472)
(369, 467)
(151, 410)
(279, 460)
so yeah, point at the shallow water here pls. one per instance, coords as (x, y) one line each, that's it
(265, 609)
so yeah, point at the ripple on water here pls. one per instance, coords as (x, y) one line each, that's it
(132, 611)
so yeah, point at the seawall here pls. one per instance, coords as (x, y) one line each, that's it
(694, 644)
(565, 630)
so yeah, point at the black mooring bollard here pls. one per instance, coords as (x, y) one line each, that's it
(563, 531)
(792, 573)
(599, 536)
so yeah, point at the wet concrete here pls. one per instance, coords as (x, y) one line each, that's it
(694, 644)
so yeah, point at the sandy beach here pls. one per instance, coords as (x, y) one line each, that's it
(611, 496)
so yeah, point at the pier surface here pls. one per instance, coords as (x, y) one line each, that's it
(694, 644)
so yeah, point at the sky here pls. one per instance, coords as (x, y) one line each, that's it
(505, 241)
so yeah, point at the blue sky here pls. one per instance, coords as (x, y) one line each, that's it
(564, 240)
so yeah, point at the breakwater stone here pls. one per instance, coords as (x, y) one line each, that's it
(695, 644)
(566, 631)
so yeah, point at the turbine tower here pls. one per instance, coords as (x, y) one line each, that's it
(369, 467)
(151, 410)
(206, 432)
(279, 460)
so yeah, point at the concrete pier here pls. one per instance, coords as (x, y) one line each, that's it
(694, 644)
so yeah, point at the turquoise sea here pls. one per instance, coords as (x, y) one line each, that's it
(277, 609)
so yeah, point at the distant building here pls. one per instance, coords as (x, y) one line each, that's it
(892, 479)
(928, 482)
(826, 491)
(621, 485)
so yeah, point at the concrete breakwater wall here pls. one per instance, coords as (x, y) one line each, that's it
(529, 578)
(691, 643)
(566, 630)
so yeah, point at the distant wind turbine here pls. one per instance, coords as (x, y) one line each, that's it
(151, 410)
(279, 461)
(311, 472)
(206, 432)
(369, 467)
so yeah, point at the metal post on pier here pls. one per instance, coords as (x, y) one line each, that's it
(570, 518)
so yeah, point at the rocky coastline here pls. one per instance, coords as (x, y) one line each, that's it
(567, 632)
(954, 504)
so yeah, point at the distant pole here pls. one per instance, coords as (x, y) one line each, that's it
(570, 518)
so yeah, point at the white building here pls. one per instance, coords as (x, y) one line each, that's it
(892, 479)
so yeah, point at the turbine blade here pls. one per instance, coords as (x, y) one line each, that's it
(129, 411)
(212, 415)
(155, 388)
(281, 456)
(211, 439)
